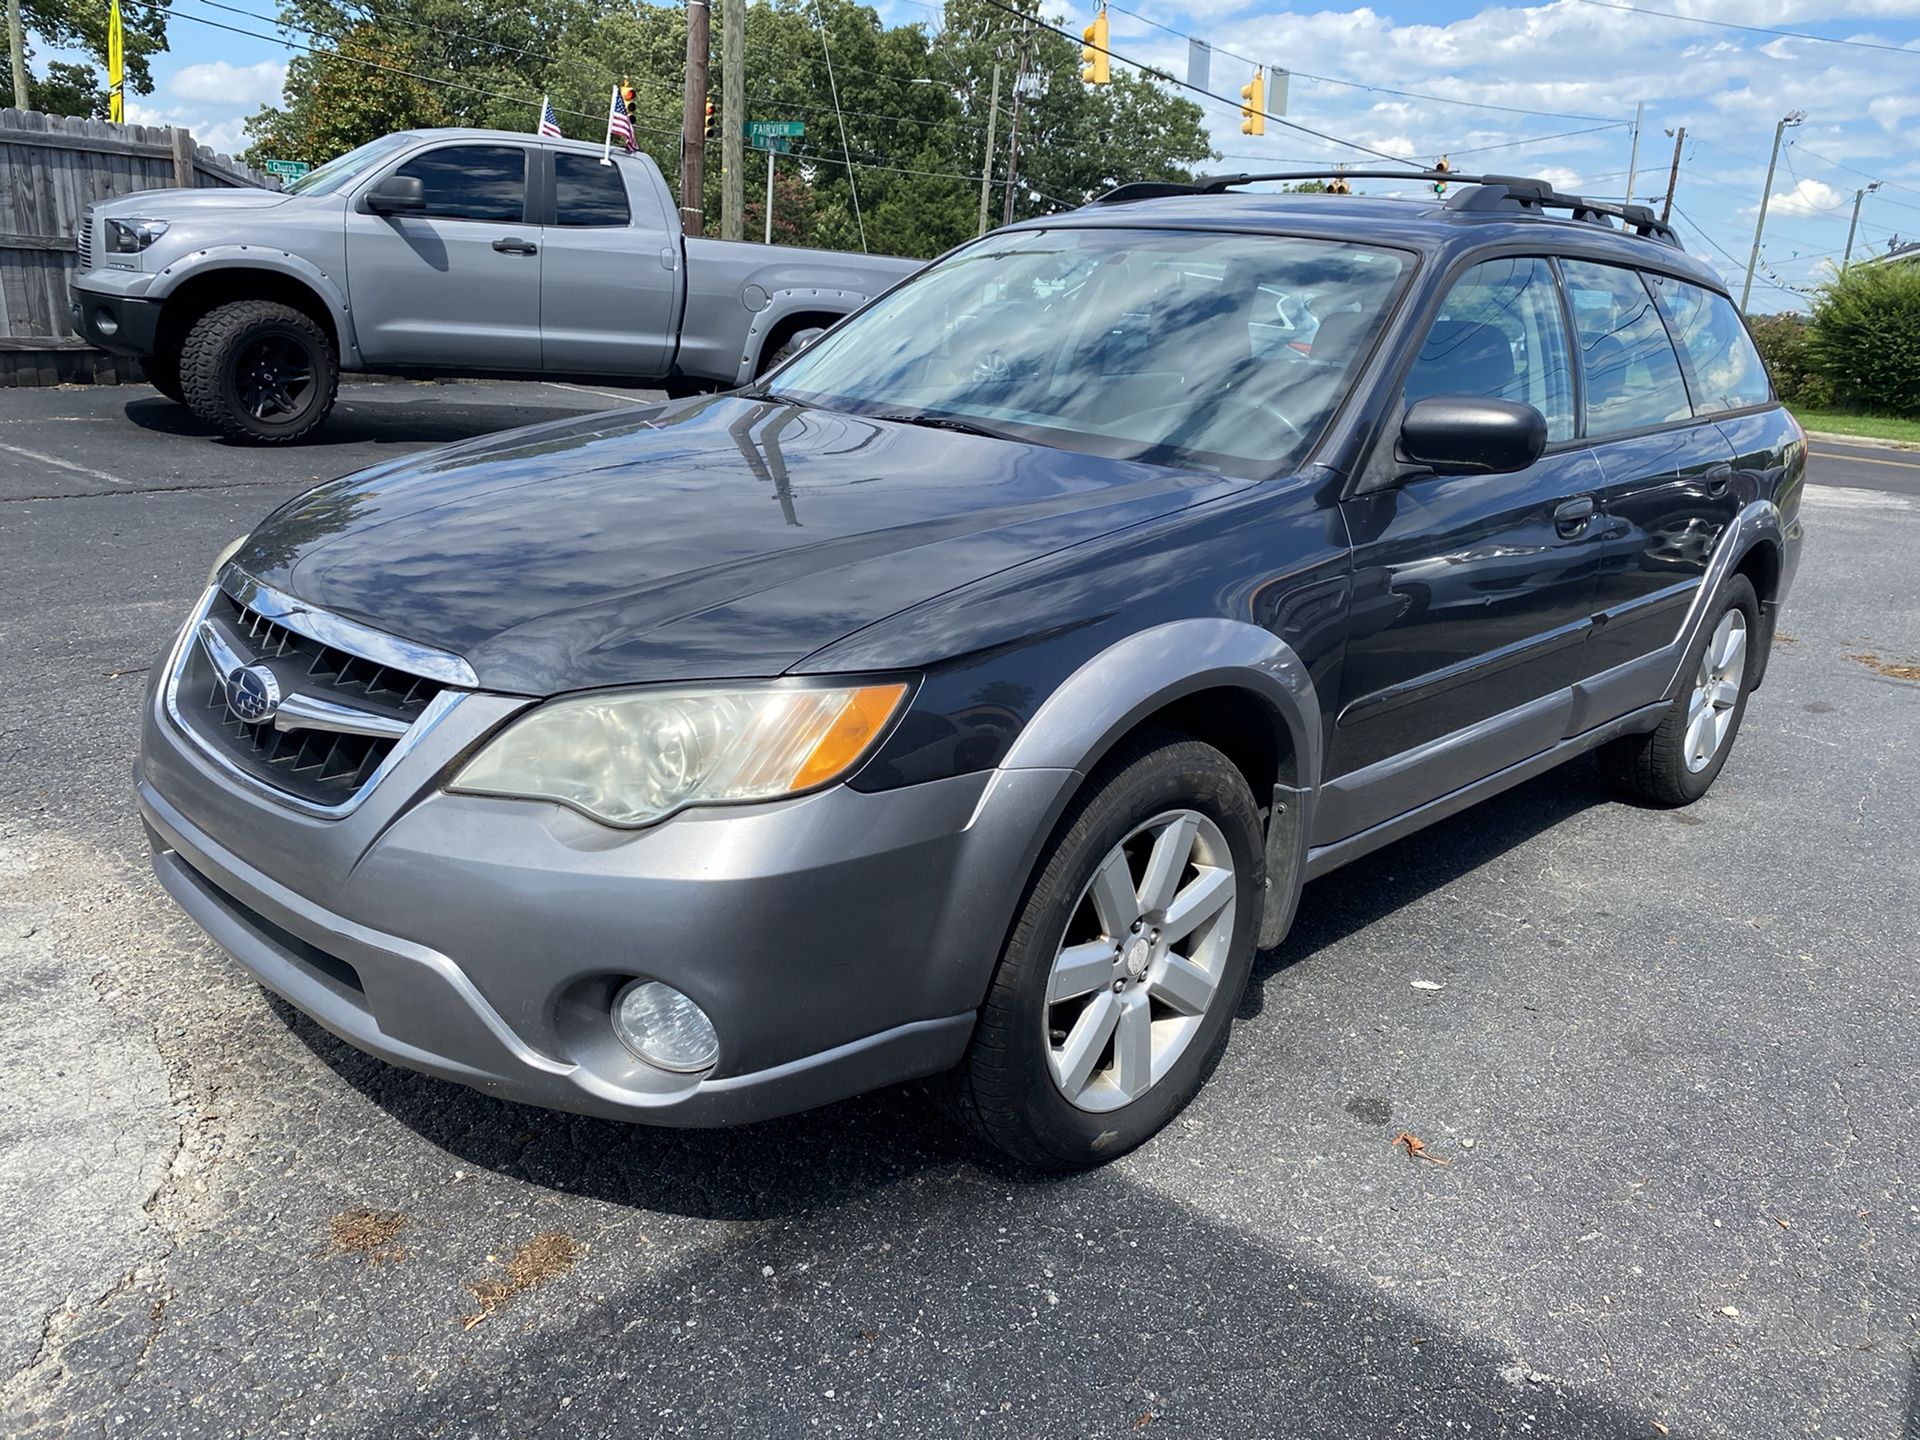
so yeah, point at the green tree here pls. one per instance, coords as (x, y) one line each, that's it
(65, 88)
(1864, 337)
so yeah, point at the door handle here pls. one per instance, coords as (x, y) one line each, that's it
(1571, 517)
(514, 245)
(1718, 479)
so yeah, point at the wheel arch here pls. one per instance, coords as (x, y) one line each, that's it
(788, 311)
(204, 286)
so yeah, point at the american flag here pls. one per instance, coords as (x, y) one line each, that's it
(549, 121)
(620, 121)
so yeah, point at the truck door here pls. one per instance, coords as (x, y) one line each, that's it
(456, 285)
(608, 279)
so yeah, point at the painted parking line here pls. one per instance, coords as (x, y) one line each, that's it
(59, 464)
(584, 390)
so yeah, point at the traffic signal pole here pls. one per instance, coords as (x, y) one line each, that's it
(693, 120)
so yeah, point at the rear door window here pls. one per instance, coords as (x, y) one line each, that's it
(585, 192)
(472, 182)
(1726, 369)
(1501, 334)
(1633, 379)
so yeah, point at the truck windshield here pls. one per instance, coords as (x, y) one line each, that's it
(341, 170)
(1226, 351)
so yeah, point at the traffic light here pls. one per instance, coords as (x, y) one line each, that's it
(1440, 186)
(1338, 186)
(627, 94)
(713, 124)
(1099, 67)
(1253, 105)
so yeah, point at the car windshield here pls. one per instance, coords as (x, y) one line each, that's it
(1224, 351)
(343, 168)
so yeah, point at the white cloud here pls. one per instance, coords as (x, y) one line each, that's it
(217, 82)
(1809, 197)
(223, 135)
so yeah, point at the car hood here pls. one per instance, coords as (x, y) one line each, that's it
(722, 537)
(173, 204)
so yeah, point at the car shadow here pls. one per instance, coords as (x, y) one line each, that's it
(769, 1169)
(384, 422)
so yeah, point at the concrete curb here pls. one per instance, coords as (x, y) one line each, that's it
(1873, 441)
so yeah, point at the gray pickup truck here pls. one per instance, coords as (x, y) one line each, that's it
(442, 252)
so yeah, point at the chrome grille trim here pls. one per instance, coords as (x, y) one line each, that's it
(349, 635)
(189, 643)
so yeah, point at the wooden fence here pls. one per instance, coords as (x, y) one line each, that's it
(51, 168)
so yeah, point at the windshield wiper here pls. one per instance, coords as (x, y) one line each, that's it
(932, 421)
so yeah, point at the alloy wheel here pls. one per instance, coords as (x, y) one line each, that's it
(273, 376)
(1141, 960)
(1716, 690)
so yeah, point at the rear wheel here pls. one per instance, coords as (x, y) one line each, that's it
(1678, 763)
(1116, 991)
(259, 372)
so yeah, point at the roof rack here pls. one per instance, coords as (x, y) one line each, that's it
(1477, 194)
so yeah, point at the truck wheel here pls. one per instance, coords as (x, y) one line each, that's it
(259, 372)
(1120, 980)
(163, 373)
(788, 348)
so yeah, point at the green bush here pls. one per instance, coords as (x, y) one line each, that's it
(1864, 338)
(1782, 341)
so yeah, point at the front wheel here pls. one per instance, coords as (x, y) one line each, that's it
(1116, 990)
(1678, 763)
(259, 372)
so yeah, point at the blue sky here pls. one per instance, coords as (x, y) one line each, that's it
(1581, 64)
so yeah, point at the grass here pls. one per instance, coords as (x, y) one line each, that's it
(1875, 427)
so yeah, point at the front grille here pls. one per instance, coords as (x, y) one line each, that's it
(84, 239)
(320, 766)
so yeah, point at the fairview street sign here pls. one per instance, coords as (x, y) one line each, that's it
(758, 130)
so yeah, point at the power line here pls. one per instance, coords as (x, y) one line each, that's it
(1360, 84)
(1752, 29)
(1541, 139)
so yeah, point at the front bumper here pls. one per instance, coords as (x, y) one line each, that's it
(122, 324)
(839, 941)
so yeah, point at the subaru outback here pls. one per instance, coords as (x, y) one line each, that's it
(973, 696)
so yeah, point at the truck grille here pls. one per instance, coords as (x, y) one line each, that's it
(340, 714)
(83, 238)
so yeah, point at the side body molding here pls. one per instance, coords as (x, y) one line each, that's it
(1128, 681)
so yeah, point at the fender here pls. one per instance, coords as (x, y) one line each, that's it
(1758, 523)
(1128, 681)
(782, 304)
(277, 261)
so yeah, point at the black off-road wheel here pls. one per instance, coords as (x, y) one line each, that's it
(258, 372)
(1117, 988)
(1678, 763)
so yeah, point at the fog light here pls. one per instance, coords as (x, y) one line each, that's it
(664, 1028)
(104, 322)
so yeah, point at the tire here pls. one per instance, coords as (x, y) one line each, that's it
(258, 372)
(1667, 768)
(163, 373)
(788, 348)
(1010, 1089)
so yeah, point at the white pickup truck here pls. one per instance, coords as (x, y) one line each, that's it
(442, 252)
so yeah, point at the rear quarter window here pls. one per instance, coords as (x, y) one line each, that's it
(1727, 372)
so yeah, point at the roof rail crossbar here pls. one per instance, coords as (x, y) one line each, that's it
(1477, 193)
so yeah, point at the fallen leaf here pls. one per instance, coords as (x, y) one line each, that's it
(1428, 985)
(1661, 1428)
(1416, 1148)
(1783, 1224)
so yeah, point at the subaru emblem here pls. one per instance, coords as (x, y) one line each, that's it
(252, 694)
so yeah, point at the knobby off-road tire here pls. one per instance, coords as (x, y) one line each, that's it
(1074, 957)
(1678, 763)
(259, 372)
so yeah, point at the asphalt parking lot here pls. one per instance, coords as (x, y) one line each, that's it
(1673, 1061)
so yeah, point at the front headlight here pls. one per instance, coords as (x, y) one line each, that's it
(130, 237)
(227, 552)
(638, 756)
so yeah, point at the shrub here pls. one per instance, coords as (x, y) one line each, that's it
(1864, 338)
(1782, 342)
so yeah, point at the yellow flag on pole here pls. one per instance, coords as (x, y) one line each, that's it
(116, 68)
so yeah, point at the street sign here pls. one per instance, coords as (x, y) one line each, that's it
(766, 129)
(778, 143)
(286, 169)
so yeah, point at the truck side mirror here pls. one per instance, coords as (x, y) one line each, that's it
(396, 195)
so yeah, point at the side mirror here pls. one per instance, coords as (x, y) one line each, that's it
(1472, 435)
(397, 194)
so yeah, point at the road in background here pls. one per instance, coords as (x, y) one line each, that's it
(1672, 1064)
(1864, 467)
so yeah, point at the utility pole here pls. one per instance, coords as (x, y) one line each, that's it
(1633, 156)
(733, 118)
(1854, 224)
(1792, 117)
(693, 120)
(1673, 175)
(17, 41)
(986, 168)
(1013, 129)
